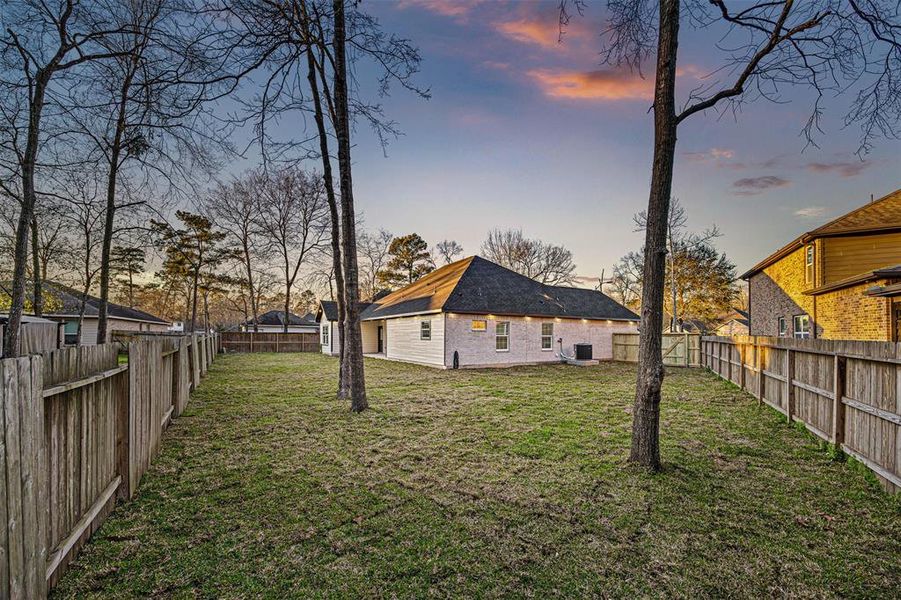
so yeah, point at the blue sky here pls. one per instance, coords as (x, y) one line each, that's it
(524, 132)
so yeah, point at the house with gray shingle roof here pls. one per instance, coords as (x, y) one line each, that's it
(475, 313)
(273, 321)
(63, 305)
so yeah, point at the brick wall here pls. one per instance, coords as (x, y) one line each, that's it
(778, 291)
(478, 347)
(842, 314)
(849, 314)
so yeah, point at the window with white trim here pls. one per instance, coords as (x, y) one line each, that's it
(808, 264)
(782, 328)
(547, 336)
(802, 326)
(325, 329)
(502, 336)
(479, 325)
(425, 330)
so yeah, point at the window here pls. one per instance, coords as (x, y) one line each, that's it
(502, 336)
(547, 336)
(802, 326)
(782, 328)
(479, 325)
(325, 327)
(425, 330)
(808, 264)
(70, 333)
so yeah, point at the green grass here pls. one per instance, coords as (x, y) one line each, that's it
(490, 483)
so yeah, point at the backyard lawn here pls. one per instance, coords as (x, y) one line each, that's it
(486, 483)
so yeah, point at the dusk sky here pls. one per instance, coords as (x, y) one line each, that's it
(522, 131)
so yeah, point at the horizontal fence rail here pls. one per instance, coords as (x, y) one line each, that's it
(845, 392)
(249, 341)
(78, 430)
(679, 349)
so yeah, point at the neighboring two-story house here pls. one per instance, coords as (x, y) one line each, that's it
(840, 281)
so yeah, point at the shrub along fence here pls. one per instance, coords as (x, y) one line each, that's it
(845, 392)
(77, 432)
(248, 341)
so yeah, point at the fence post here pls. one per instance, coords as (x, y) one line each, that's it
(760, 376)
(728, 361)
(741, 364)
(123, 433)
(838, 407)
(789, 376)
(25, 501)
(251, 342)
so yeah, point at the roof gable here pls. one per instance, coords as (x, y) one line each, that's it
(427, 294)
(879, 215)
(884, 213)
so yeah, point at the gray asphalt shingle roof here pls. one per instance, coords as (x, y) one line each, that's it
(478, 286)
(277, 317)
(70, 300)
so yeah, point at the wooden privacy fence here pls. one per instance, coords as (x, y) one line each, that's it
(845, 392)
(77, 432)
(35, 338)
(679, 349)
(248, 341)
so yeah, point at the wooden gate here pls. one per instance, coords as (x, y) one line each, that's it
(679, 349)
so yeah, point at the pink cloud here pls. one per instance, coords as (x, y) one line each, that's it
(447, 8)
(712, 154)
(608, 85)
(843, 169)
(531, 31)
(751, 186)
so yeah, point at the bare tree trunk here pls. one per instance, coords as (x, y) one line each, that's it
(38, 301)
(333, 208)
(287, 308)
(194, 288)
(646, 413)
(81, 307)
(109, 223)
(248, 267)
(206, 311)
(672, 278)
(352, 344)
(29, 198)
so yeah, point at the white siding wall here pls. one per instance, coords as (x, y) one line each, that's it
(403, 341)
(89, 327)
(89, 331)
(477, 348)
(333, 347)
(369, 330)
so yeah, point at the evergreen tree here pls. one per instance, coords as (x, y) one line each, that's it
(410, 260)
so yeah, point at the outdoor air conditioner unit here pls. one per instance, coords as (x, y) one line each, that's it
(583, 351)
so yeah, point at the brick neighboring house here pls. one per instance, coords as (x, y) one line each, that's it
(840, 281)
(475, 313)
